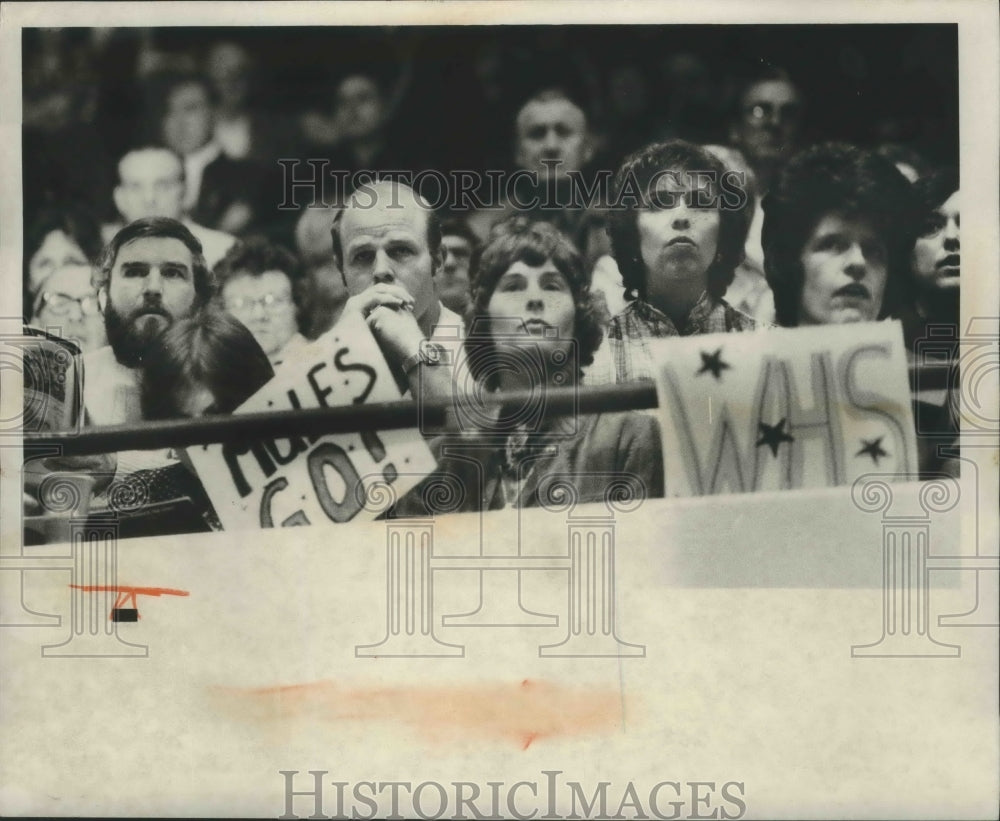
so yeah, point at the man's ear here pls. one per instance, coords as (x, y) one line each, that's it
(119, 196)
(438, 261)
(102, 298)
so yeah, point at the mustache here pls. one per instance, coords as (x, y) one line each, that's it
(149, 306)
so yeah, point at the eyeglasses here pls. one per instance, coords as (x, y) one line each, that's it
(62, 304)
(246, 304)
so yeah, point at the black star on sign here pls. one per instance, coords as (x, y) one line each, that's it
(712, 363)
(873, 448)
(773, 436)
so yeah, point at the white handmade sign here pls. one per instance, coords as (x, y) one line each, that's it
(784, 408)
(303, 480)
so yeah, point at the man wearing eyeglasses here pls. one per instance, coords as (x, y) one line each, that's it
(259, 284)
(767, 124)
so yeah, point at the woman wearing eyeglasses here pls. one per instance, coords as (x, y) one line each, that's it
(66, 305)
(259, 284)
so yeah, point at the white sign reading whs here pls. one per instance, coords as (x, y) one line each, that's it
(784, 408)
(303, 480)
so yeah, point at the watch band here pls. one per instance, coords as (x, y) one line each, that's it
(430, 353)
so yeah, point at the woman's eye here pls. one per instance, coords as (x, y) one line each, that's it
(932, 225)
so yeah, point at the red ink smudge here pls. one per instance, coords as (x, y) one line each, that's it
(127, 594)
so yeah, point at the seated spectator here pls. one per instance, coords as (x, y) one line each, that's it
(260, 284)
(766, 125)
(837, 238)
(152, 184)
(152, 274)
(220, 192)
(552, 153)
(677, 237)
(460, 246)
(325, 287)
(243, 130)
(66, 304)
(387, 243)
(57, 237)
(937, 260)
(838, 243)
(204, 364)
(533, 327)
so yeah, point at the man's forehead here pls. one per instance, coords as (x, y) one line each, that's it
(539, 112)
(154, 249)
(376, 212)
(149, 165)
(770, 91)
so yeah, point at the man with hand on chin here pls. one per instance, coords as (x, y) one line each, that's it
(387, 244)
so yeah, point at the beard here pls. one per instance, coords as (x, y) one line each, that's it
(131, 336)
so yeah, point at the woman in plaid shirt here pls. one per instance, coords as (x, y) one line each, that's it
(678, 223)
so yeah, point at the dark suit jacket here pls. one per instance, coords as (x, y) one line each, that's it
(224, 182)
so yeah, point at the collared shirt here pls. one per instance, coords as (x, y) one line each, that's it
(625, 355)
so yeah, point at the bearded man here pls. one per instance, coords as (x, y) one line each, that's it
(151, 274)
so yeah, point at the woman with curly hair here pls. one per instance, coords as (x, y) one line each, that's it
(838, 235)
(533, 326)
(678, 223)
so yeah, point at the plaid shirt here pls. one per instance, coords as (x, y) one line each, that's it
(625, 354)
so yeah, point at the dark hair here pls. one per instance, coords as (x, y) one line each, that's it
(209, 348)
(897, 154)
(458, 227)
(533, 243)
(254, 256)
(842, 179)
(76, 223)
(644, 168)
(433, 235)
(159, 227)
(931, 191)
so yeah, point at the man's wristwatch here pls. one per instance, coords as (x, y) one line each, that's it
(430, 353)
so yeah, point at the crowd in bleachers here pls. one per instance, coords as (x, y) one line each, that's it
(192, 219)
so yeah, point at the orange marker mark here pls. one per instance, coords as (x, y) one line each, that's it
(127, 594)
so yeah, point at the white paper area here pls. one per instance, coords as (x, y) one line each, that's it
(746, 673)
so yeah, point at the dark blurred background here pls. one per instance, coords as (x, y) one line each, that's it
(455, 89)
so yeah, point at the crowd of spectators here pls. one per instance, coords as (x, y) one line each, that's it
(192, 221)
